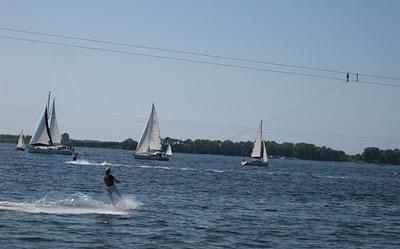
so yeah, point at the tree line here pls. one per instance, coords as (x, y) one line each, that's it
(303, 151)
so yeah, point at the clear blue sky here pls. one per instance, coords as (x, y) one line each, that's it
(358, 36)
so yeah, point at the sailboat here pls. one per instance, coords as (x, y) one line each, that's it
(169, 151)
(149, 147)
(259, 154)
(47, 138)
(21, 142)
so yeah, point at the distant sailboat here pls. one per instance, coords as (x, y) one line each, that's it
(259, 154)
(149, 147)
(169, 151)
(21, 142)
(47, 138)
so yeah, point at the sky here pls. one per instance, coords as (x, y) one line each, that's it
(108, 96)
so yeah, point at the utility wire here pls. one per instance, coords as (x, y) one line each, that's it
(201, 125)
(304, 103)
(194, 61)
(195, 53)
(292, 109)
(172, 58)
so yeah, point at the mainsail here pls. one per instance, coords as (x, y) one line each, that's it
(169, 150)
(42, 136)
(54, 132)
(21, 142)
(151, 140)
(265, 156)
(256, 153)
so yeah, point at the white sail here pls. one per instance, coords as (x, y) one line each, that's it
(265, 156)
(155, 138)
(257, 144)
(21, 143)
(54, 132)
(143, 146)
(41, 135)
(169, 150)
(151, 140)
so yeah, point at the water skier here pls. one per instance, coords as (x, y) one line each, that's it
(109, 181)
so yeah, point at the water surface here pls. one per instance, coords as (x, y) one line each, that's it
(195, 201)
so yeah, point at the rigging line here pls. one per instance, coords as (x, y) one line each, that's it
(173, 58)
(304, 103)
(194, 53)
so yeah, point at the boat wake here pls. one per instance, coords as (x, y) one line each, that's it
(87, 162)
(76, 204)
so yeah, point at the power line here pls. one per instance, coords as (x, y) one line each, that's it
(204, 125)
(124, 118)
(196, 53)
(304, 103)
(193, 61)
(172, 58)
(292, 109)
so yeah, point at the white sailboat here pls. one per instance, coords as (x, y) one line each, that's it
(149, 147)
(47, 138)
(259, 154)
(21, 142)
(169, 151)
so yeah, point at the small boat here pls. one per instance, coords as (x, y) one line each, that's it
(47, 138)
(149, 147)
(21, 142)
(259, 154)
(169, 151)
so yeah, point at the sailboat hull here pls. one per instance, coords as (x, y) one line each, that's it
(19, 148)
(60, 150)
(254, 163)
(152, 157)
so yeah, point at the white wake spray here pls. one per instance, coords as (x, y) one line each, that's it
(76, 204)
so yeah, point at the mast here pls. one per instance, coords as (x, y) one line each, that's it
(48, 103)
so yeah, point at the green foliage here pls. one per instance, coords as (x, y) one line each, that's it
(216, 147)
(128, 144)
(371, 154)
(65, 139)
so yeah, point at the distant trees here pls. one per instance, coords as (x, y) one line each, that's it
(227, 147)
(128, 144)
(375, 155)
(65, 139)
(371, 154)
(216, 147)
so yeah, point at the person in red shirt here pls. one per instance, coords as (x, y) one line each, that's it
(109, 181)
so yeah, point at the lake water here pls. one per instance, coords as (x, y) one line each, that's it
(195, 201)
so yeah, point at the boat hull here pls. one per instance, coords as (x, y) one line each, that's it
(59, 150)
(254, 163)
(19, 148)
(152, 157)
